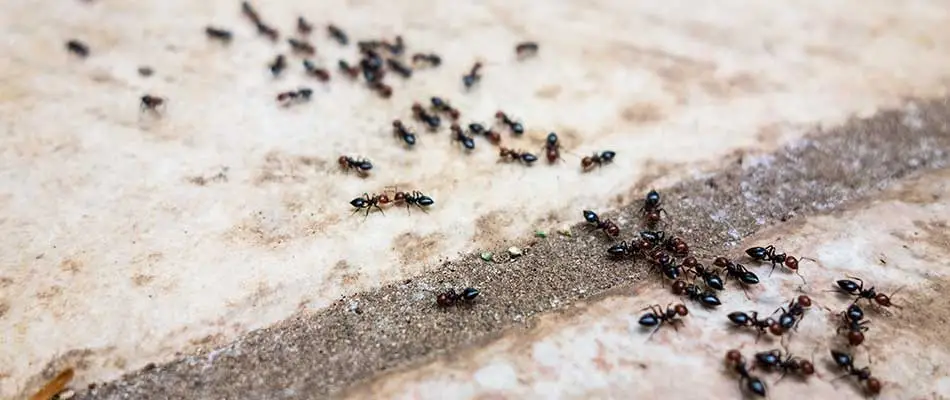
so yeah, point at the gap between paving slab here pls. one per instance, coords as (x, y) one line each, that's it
(397, 325)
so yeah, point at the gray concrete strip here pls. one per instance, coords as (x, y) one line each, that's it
(397, 326)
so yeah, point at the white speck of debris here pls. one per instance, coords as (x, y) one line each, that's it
(514, 251)
(759, 221)
(757, 161)
(733, 233)
(354, 305)
(496, 376)
(719, 216)
(911, 118)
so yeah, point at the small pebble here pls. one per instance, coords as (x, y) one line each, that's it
(487, 256)
(514, 251)
(541, 234)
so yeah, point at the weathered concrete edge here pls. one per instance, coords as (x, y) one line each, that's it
(396, 326)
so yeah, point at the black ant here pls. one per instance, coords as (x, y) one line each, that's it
(857, 289)
(396, 48)
(151, 103)
(677, 245)
(774, 360)
(479, 129)
(666, 263)
(608, 226)
(451, 298)
(517, 155)
(414, 198)
(304, 27)
(657, 317)
(624, 249)
(844, 361)
(338, 35)
(268, 31)
(652, 207)
(653, 237)
(587, 163)
(373, 76)
(853, 322)
(250, 13)
(347, 69)
(320, 73)
(443, 106)
(516, 127)
(399, 67)
(526, 49)
(219, 34)
(473, 76)
(362, 166)
(421, 114)
(400, 130)
(752, 320)
(373, 62)
(791, 316)
(768, 254)
(736, 271)
(420, 59)
(278, 65)
(708, 275)
(461, 137)
(695, 293)
(295, 96)
(552, 148)
(752, 383)
(302, 47)
(78, 48)
(369, 202)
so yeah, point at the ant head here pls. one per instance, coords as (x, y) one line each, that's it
(804, 301)
(791, 263)
(399, 196)
(855, 338)
(681, 310)
(874, 385)
(613, 230)
(342, 160)
(721, 262)
(500, 115)
(776, 329)
(883, 300)
(383, 199)
(653, 216)
(807, 367)
(733, 356)
(679, 287)
(690, 262)
(397, 123)
(586, 162)
(681, 248)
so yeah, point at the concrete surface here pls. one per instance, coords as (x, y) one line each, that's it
(114, 256)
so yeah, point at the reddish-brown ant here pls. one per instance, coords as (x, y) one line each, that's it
(552, 148)
(421, 59)
(652, 207)
(526, 49)
(294, 96)
(320, 73)
(736, 271)
(441, 105)
(400, 130)
(78, 48)
(268, 31)
(473, 76)
(432, 120)
(479, 129)
(516, 127)
(278, 65)
(695, 293)
(768, 254)
(450, 297)
(368, 202)
(844, 361)
(347, 69)
(752, 383)
(414, 198)
(853, 322)
(361, 166)
(151, 103)
(775, 360)
(461, 137)
(398, 67)
(677, 245)
(219, 34)
(708, 275)
(384, 90)
(517, 155)
(396, 48)
(666, 264)
(790, 317)
(302, 47)
(338, 35)
(250, 12)
(304, 27)
(752, 320)
(608, 226)
(857, 289)
(587, 163)
(657, 317)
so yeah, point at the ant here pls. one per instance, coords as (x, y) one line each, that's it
(320, 73)
(479, 129)
(852, 321)
(844, 361)
(552, 148)
(473, 76)
(653, 237)
(597, 159)
(78, 48)
(773, 360)
(268, 31)
(395, 48)
(450, 298)
(432, 60)
(304, 27)
(677, 245)
(709, 276)
(608, 226)
(443, 106)
(278, 66)
(857, 289)
(793, 315)
(736, 271)
(338, 35)
(219, 34)
(623, 249)
(384, 90)
(414, 198)
(400, 130)
(250, 13)
(657, 317)
(516, 127)
(344, 66)
(751, 319)
(295, 96)
(421, 114)
(517, 155)
(399, 67)
(768, 254)
(666, 263)
(651, 207)
(526, 49)
(151, 103)
(362, 166)
(369, 202)
(695, 293)
(462, 137)
(300, 46)
(752, 383)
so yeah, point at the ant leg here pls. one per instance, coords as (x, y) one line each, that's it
(804, 282)
(773, 269)
(780, 378)
(655, 330)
